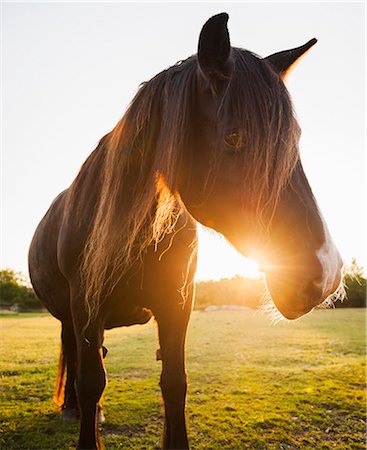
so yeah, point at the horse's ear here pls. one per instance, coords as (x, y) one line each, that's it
(214, 48)
(285, 61)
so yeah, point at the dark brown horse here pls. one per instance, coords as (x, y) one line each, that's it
(212, 139)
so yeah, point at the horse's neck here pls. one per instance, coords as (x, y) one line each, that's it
(84, 192)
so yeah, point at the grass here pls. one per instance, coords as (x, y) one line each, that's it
(252, 384)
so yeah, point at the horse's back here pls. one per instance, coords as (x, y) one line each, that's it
(50, 285)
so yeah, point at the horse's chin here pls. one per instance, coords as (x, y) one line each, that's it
(292, 313)
(294, 303)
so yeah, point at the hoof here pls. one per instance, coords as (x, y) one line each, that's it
(158, 355)
(69, 414)
(104, 351)
(101, 417)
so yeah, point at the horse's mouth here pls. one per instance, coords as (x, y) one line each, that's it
(293, 315)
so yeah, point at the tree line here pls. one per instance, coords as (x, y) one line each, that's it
(16, 293)
(250, 292)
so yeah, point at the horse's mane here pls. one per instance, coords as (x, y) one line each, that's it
(144, 156)
(257, 103)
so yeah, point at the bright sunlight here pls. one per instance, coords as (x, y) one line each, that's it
(219, 259)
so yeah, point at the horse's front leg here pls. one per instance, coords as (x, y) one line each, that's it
(90, 382)
(172, 326)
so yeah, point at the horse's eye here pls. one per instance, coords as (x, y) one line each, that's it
(234, 139)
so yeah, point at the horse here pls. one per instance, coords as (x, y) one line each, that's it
(212, 139)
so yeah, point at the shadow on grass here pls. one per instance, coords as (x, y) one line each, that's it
(36, 430)
(33, 430)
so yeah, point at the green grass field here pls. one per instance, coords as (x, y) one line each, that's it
(252, 384)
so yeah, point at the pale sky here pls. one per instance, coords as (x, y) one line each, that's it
(69, 71)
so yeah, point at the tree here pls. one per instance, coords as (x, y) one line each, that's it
(355, 287)
(248, 292)
(16, 293)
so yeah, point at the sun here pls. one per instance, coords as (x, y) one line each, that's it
(218, 259)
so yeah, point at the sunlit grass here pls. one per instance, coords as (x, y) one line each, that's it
(252, 384)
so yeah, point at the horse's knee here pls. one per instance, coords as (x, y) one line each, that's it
(91, 387)
(173, 385)
(91, 379)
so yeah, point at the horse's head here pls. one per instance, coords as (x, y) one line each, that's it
(245, 179)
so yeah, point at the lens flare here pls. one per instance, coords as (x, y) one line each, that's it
(217, 258)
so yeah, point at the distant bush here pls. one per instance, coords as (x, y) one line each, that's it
(234, 291)
(15, 292)
(355, 287)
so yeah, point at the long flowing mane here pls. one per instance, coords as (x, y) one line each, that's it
(257, 102)
(144, 157)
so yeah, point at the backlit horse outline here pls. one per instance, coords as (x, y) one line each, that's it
(212, 139)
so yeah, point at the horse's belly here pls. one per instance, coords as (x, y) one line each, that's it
(48, 282)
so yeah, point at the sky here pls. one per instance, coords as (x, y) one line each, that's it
(69, 70)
